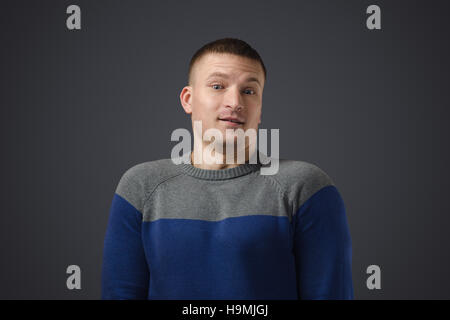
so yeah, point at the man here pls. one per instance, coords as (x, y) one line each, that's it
(221, 230)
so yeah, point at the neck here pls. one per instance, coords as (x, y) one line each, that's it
(213, 158)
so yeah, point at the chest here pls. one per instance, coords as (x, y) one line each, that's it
(214, 202)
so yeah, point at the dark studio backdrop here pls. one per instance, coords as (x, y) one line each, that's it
(80, 107)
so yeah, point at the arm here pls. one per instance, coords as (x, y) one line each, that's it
(125, 274)
(322, 247)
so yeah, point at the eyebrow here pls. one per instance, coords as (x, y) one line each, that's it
(224, 75)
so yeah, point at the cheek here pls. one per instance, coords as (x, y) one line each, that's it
(204, 99)
(205, 106)
(253, 118)
(254, 112)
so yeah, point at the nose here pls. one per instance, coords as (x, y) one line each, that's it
(233, 99)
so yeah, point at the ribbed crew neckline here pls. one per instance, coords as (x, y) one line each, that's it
(220, 174)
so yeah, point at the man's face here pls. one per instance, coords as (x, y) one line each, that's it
(225, 86)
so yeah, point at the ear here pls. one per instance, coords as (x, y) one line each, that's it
(186, 98)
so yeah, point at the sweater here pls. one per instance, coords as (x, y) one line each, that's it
(179, 232)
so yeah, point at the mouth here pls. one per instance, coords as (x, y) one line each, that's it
(232, 122)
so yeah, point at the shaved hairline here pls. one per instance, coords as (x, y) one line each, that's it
(195, 66)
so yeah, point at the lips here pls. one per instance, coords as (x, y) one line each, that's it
(233, 120)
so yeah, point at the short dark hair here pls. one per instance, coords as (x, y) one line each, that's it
(226, 45)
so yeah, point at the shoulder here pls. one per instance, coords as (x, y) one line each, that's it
(296, 171)
(155, 170)
(138, 181)
(300, 179)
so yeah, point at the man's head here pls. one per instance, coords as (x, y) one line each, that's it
(226, 81)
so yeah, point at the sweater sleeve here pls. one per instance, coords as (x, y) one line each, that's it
(322, 247)
(125, 274)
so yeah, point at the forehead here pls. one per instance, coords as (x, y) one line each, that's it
(230, 64)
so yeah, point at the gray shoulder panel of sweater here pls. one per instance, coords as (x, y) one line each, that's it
(139, 181)
(299, 180)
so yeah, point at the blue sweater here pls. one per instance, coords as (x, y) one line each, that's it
(180, 232)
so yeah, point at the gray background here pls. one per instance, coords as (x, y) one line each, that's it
(78, 108)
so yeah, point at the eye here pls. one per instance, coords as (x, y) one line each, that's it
(247, 90)
(216, 85)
